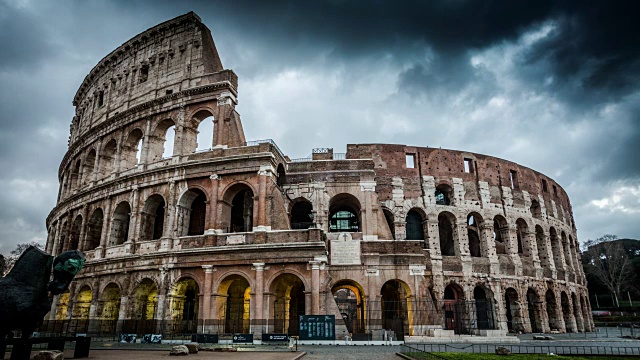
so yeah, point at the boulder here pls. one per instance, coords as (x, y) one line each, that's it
(502, 351)
(48, 355)
(179, 350)
(193, 348)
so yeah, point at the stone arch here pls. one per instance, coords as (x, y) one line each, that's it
(192, 212)
(482, 297)
(475, 224)
(512, 310)
(535, 209)
(89, 166)
(201, 131)
(454, 306)
(281, 175)
(577, 313)
(162, 141)
(533, 308)
(238, 207)
(94, 230)
(552, 310)
(415, 224)
(500, 234)
(556, 248)
(396, 307)
(152, 218)
(390, 219)
(234, 303)
(566, 250)
(109, 307)
(120, 224)
(522, 235)
(107, 162)
(566, 311)
(288, 302)
(444, 194)
(541, 244)
(344, 213)
(301, 214)
(183, 300)
(145, 300)
(447, 232)
(74, 234)
(349, 297)
(131, 153)
(63, 305)
(82, 303)
(75, 181)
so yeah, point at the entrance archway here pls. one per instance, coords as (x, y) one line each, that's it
(349, 297)
(109, 308)
(484, 308)
(512, 308)
(234, 305)
(532, 307)
(395, 307)
(566, 312)
(288, 303)
(550, 299)
(145, 303)
(63, 306)
(184, 305)
(453, 309)
(82, 304)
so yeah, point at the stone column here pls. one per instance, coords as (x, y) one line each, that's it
(83, 228)
(106, 227)
(133, 221)
(206, 299)
(259, 318)
(213, 204)
(56, 239)
(315, 287)
(263, 173)
(96, 165)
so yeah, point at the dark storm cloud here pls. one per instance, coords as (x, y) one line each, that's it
(22, 39)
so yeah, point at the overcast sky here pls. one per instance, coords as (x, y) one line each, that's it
(550, 85)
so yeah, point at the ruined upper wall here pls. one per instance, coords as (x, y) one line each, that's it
(165, 59)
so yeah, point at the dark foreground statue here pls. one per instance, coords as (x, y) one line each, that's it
(26, 292)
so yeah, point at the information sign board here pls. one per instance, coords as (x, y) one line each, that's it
(317, 327)
(345, 250)
(275, 338)
(242, 338)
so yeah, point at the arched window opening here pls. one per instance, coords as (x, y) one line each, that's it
(446, 223)
(536, 210)
(282, 177)
(75, 176)
(500, 234)
(132, 150)
(550, 299)
(169, 140)
(63, 239)
(107, 162)
(444, 195)
(542, 249)
(522, 231)
(192, 211)
(395, 312)
(152, 218)
(89, 164)
(242, 211)
(390, 219)
(235, 304)
(74, 238)
(473, 233)
(556, 248)
(82, 304)
(120, 224)
(205, 134)
(301, 215)
(415, 229)
(484, 309)
(288, 303)
(349, 297)
(454, 309)
(344, 213)
(94, 230)
(534, 314)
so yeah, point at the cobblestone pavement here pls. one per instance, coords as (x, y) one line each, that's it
(350, 352)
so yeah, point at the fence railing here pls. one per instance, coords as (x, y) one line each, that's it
(582, 349)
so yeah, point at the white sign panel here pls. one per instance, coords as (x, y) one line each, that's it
(345, 250)
(235, 239)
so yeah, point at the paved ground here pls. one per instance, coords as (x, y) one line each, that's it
(317, 352)
(164, 354)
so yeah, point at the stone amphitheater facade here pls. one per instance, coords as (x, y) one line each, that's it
(226, 235)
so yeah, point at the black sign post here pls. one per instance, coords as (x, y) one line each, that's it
(242, 338)
(317, 327)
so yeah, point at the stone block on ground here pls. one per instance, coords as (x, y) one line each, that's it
(502, 351)
(193, 348)
(179, 350)
(48, 355)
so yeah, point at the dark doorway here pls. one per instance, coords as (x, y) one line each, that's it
(242, 211)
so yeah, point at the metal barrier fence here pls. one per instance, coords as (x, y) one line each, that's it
(525, 349)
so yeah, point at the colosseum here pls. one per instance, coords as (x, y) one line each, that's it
(188, 228)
